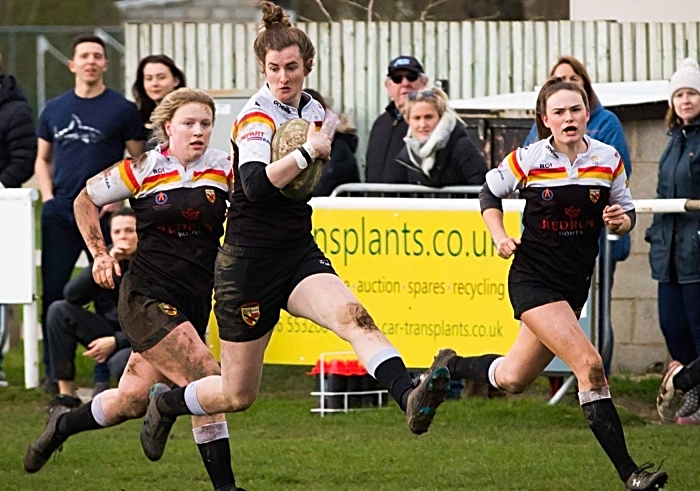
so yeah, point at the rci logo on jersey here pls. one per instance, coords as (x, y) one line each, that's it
(168, 309)
(547, 194)
(250, 312)
(594, 195)
(548, 165)
(211, 195)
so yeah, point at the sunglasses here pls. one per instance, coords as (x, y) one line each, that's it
(422, 94)
(398, 78)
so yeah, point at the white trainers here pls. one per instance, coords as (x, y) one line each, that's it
(669, 399)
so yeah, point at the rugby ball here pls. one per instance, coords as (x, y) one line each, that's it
(288, 137)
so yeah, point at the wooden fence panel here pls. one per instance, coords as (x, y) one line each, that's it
(478, 58)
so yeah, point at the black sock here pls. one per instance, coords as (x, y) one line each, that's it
(474, 368)
(393, 375)
(172, 403)
(605, 423)
(216, 457)
(688, 377)
(76, 421)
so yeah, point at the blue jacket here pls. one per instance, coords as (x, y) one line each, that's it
(676, 236)
(605, 127)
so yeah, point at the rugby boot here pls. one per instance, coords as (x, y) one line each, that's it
(643, 480)
(424, 400)
(41, 449)
(669, 399)
(156, 427)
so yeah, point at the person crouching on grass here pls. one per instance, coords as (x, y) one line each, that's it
(178, 192)
(573, 185)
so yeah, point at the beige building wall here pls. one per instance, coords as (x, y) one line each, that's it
(637, 11)
(638, 339)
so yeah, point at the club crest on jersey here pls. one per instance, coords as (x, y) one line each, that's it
(594, 195)
(211, 195)
(547, 194)
(168, 309)
(250, 312)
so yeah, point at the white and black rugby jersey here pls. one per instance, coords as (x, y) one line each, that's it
(564, 209)
(179, 216)
(278, 222)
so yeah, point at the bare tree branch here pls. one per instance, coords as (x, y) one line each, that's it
(370, 14)
(424, 13)
(325, 12)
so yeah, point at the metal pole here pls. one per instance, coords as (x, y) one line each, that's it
(562, 391)
(605, 325)
(31, 343)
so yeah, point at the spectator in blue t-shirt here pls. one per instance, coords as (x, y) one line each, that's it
(81, 133)
(605, 127)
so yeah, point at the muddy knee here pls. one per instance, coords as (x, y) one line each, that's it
(512, 385)
(238, 402)
(511, 381)
(591, 372)
(132, 405)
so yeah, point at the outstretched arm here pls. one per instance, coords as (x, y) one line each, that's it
(87, 216)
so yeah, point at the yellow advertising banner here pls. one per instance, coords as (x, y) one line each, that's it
(426, 270)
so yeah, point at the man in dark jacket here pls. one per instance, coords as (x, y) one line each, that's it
(68, 323)
(405, 75)
(17, 144)
(17, 134)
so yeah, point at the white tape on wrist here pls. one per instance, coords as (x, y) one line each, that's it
(307, 146)
(299, 157)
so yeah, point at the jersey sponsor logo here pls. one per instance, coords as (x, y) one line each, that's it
(76, 131)
(552, 151)
(548, 165)
(254, 136)
(190, 214)
(161, 200)
(324, 262)
(167, 309)
(547, 194)
(572, 211)
(571, 227)
(211, 195)
(282, 107)
(594, 195)
(250, 312)
(158, 170)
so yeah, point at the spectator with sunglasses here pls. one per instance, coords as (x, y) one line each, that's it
(405, 75)
(438, 151)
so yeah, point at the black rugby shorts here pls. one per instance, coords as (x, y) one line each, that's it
(146, 320)
(528, 292)
(252, 285)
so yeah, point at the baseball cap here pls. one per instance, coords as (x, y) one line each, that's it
(405, 63)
